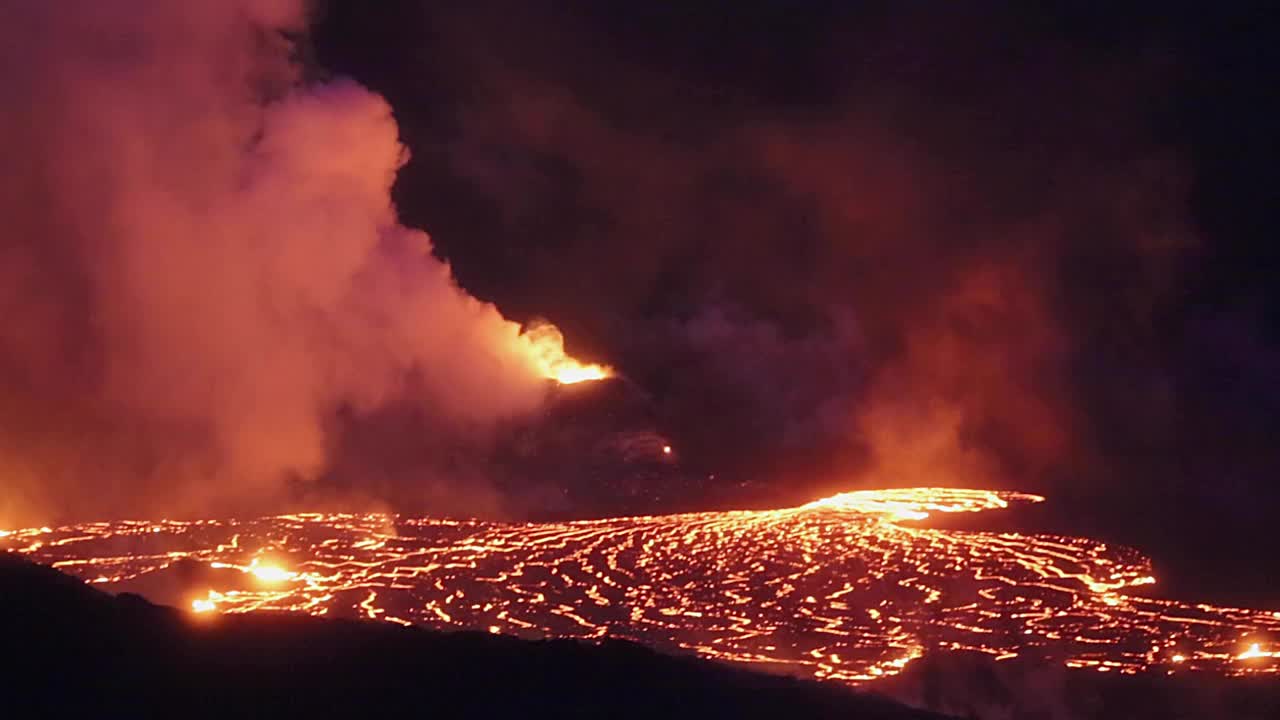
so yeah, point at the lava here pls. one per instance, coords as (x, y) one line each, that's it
(543, 344)
(844, 588)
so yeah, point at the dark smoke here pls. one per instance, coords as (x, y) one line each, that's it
(867, 262)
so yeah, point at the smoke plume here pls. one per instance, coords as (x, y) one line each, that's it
(881, 253)
(201, 266)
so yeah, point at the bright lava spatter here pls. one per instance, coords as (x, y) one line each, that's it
(838, 589)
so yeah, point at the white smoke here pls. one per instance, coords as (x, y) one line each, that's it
(201, 262)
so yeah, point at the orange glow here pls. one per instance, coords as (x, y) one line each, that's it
(917, 503)
(270, 573)
(1255, 651)
(850, 588)
(666, 449)
(265, 571)
(543, 345)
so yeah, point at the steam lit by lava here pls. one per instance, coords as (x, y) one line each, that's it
(847, 588)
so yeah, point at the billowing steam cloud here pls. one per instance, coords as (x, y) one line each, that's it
(201, 265)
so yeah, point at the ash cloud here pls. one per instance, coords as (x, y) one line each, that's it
(202, 267)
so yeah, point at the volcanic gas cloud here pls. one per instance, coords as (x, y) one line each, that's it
(201, 264)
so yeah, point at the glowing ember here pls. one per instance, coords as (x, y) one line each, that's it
(544, 345)
(1255, 651)
(263, 571)
(839, 588)
(271, 574)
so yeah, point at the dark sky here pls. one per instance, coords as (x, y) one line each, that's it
(879, 242)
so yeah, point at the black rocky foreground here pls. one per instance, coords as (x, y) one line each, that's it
(972, 685)
(75, 651)
(72, 650)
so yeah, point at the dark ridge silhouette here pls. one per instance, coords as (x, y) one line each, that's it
(74, 650)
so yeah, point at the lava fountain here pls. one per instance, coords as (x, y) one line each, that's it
(850, 588)
(543, 345)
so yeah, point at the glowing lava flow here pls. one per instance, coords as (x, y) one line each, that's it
(840, 588)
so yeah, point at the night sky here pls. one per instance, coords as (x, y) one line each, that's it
(825, 246)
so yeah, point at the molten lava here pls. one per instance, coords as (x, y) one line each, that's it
(543, 344)
(841, 588)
